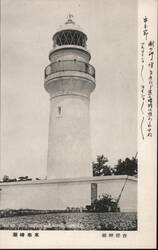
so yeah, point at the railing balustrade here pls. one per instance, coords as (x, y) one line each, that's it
(69, 65)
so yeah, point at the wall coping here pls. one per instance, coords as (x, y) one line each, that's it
(70, 180)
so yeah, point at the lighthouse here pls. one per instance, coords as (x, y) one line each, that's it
(69, 79)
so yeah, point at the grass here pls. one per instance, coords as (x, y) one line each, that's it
(71, 221)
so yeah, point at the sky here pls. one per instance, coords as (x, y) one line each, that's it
(27, 30)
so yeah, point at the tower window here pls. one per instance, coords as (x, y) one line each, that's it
(59, 110)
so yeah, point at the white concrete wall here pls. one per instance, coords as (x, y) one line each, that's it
(59, 194)
(45, 196)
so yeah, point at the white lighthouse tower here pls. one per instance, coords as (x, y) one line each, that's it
(69, 80)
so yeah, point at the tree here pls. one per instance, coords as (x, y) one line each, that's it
(126, 167)
(100, 168)
(105, 204)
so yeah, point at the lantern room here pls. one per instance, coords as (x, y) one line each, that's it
(69, 34)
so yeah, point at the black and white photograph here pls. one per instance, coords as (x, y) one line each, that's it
(75, 107)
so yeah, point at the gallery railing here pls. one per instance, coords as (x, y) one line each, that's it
(69, 65)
